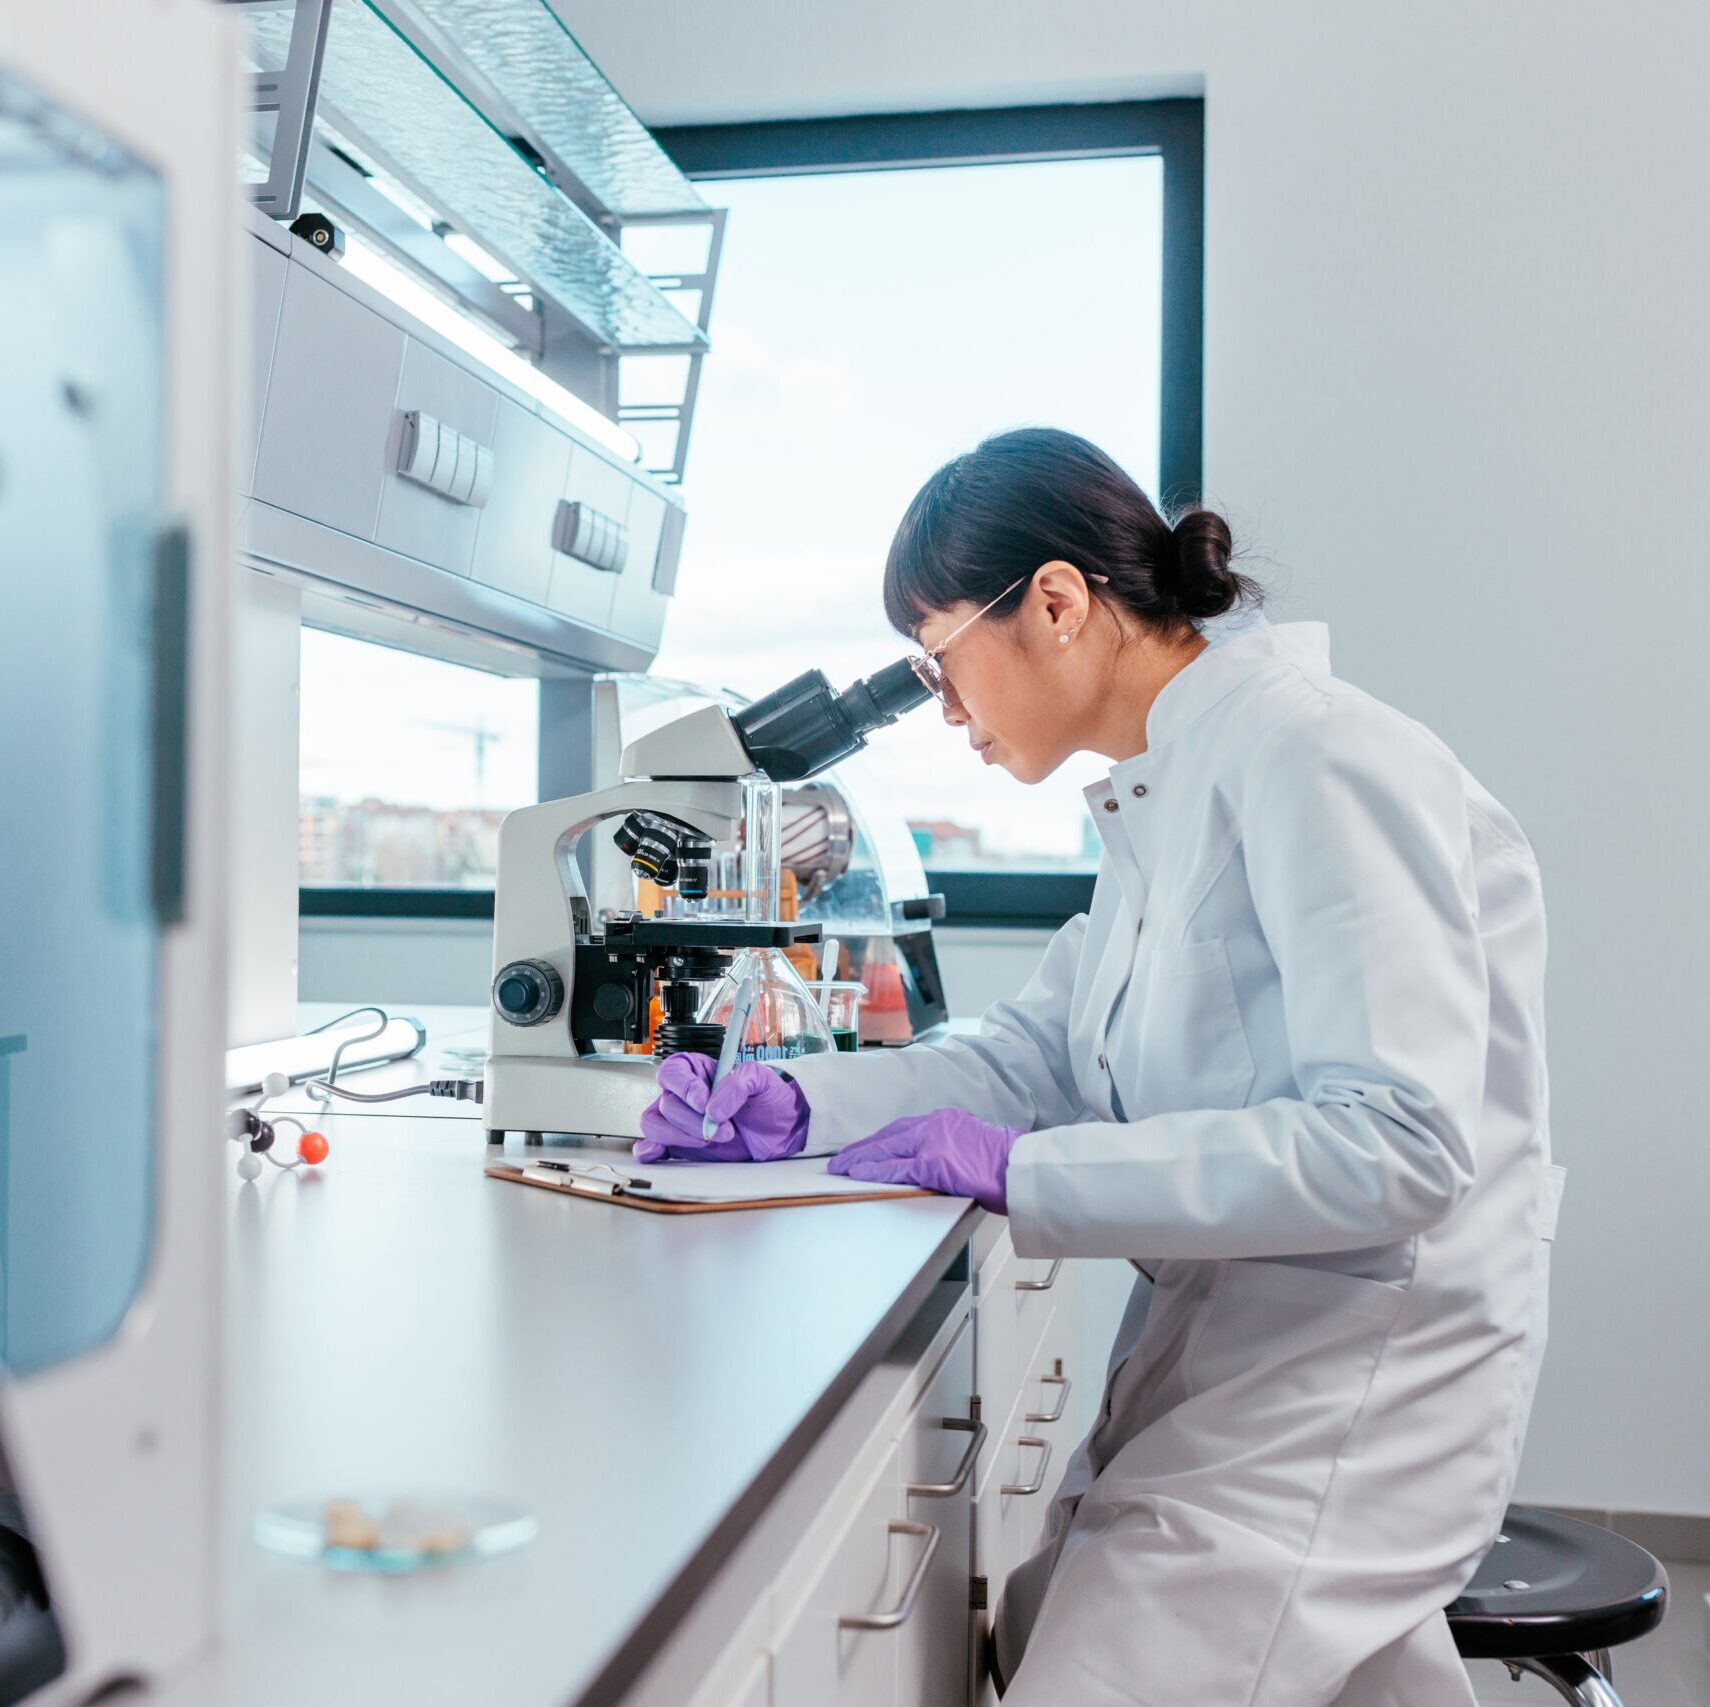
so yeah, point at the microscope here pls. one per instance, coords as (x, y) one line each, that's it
(561, 986)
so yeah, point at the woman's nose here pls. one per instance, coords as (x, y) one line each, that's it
(954, 713)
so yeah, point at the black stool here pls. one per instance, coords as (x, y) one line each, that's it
(1553, 1596)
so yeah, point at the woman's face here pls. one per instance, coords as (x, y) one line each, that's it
(1019, 685)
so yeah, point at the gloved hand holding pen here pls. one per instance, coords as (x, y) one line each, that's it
(761, 1116)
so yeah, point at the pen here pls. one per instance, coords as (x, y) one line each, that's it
(735, 1029)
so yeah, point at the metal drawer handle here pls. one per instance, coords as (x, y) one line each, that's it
(1063, 1383)
(943, 1490)
(1038, 1481)
(1044, 1285)
(910, 1594)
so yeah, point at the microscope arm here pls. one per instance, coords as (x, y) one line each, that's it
(540, 902)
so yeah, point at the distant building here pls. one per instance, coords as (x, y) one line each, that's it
(942, 841)
(382, 844)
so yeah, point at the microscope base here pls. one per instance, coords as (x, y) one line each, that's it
(595, 1096)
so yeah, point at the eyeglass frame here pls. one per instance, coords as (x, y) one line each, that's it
(925, 664)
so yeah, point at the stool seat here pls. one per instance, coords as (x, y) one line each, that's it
(1553, 1585)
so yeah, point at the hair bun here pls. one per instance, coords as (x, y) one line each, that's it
(1201, 582)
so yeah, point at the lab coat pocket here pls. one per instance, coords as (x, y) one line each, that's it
(1193, 1047)
(1276, 1378)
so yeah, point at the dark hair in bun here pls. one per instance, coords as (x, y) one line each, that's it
(1198, 574)
(1029, 497)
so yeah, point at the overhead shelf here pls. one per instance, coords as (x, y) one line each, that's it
(383, 97)
(538, 68)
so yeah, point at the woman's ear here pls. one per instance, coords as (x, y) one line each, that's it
(1063, 598)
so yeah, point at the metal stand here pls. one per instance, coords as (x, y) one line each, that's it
(681, 414)
(293, 94)
(1573, 1677)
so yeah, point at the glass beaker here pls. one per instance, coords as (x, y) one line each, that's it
(884, 1014)
(840, 1001)
(785, 1020)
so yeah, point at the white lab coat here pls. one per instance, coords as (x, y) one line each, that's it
(1292, 1064)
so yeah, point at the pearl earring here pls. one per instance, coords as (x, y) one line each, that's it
(1062, 640)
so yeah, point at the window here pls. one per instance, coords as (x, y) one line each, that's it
(407, 764)
(869, 325)
(1031, 265)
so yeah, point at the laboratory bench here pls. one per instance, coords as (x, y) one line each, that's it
(770, 1453)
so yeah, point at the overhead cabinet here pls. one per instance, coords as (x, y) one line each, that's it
(441, 490)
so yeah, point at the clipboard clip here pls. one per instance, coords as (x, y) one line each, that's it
(596, 1179)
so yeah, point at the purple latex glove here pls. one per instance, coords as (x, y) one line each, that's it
(761, 1115)
(947, 1150)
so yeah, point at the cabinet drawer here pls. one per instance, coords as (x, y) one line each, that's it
(513, 546)
(1027, 1455)
(638, 611)
(414, 520)
(820, 1653)
(578, 589)
(940, 1457)
(741, 1675)
(1010, 1513)
(329, 407)
(1010, 1317)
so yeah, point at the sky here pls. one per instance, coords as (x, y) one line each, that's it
(378, 722)
(867, 326)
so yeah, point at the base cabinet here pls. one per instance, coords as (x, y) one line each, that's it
(877, 1601)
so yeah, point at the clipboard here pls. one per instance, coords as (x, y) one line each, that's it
(664, 1188)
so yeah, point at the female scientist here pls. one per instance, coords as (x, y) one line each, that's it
(1290, 1064)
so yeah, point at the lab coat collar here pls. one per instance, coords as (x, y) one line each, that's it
(1186, 696)
(1220, 669)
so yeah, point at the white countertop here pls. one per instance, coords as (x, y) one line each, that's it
(641, 1383)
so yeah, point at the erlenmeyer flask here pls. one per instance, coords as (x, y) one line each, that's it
(785, 1020)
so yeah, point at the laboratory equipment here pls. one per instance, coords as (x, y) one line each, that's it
(395, 1533)
(782, 1020)
(839, 1000)
(566, 982)
(120, 294)
(856, 869)
(257, 1136)
(322, 1052)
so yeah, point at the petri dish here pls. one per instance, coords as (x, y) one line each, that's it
(394, 1533)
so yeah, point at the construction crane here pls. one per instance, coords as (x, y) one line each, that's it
(483, 737)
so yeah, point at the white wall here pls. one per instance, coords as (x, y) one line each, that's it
(1457, 354)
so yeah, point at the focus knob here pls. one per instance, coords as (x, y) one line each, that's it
(528, 992)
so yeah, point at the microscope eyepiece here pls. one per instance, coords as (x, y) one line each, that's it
(797, 730)
(885, 695)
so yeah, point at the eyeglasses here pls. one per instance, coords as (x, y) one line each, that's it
(927, 666)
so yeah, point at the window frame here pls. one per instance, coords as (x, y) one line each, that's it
(1042, 900)
(1172, 128)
